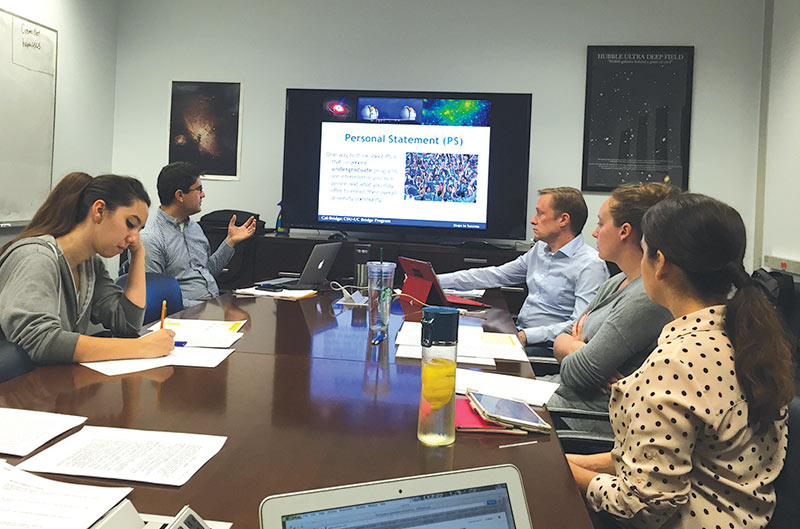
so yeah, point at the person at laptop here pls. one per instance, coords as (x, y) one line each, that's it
(561, 271)
(177, 246)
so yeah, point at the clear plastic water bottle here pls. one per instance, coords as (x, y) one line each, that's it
(437, 404)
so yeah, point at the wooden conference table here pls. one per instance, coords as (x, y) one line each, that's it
(306, 402)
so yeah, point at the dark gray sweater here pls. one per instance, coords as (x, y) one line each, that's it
(621, 330)
(40, 309)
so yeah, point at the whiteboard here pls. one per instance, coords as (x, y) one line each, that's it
(27, 114)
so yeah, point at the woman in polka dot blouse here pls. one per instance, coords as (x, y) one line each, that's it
(700, 428)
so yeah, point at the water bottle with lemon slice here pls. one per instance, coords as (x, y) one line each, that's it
(437, 405)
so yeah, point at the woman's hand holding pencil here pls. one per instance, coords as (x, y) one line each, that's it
(157, 343)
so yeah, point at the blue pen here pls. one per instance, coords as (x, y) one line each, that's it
(378, 338)
(180, 343)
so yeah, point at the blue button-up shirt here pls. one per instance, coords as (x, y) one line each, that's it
(560, 285)
(182, 251)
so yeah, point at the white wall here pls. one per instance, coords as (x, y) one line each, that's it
(782, 183)
(470, 45)
(84, 123)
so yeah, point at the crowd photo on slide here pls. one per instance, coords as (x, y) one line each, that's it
(441, 177)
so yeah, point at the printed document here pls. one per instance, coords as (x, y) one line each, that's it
(24, 431)
(203, 333)
(164, 458)
(411, 333)
(180, 356)
(534, 392)
(33, 502)
(473, 293)
(472, 342)
(281, 294)
(415, 353)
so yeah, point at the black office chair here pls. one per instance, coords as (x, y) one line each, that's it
(542, 360)
(13, 361)
(160, 287)
(579, 441)
(787, 486)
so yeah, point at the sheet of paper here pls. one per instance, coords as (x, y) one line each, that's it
(23, 431)
(414, 352)
(472, 341)
(282, 294)
(474, 293)
(201, 326)
(534, 392)
(203, 333)
(32, 502)
(164, 458)
(411, 333)
(495, 345)
(180, 356)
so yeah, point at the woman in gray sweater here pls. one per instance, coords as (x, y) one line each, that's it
(621, 325)
(53, 282)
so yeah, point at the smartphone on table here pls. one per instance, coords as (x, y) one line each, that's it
(509, 412)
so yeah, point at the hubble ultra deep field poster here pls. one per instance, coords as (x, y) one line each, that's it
(204, 127)
(637, 116)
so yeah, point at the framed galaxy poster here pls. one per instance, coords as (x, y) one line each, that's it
(204, 127)
(637, 116)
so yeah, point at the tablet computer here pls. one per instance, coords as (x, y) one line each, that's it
(422, 284)
(489, 497)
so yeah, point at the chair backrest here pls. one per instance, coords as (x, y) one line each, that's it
(787, 486)
(160, 287)
(13, 361)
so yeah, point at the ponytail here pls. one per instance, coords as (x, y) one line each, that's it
(761, 350)
(69, 202)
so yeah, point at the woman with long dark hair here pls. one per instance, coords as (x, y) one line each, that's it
(700, 429)
(53, 282)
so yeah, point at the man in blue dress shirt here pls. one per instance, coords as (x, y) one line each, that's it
(561, 271)
(176, 245)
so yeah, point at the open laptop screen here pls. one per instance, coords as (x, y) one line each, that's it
(487, 507)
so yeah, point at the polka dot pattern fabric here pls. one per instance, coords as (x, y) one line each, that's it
(685, 454)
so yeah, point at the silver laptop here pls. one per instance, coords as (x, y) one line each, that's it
(315, 272)
(488, 497)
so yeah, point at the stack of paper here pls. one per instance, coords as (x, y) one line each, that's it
(474, 345)
(38, 503)
(180, 356)
(203, 333)
(473, 293)
(281, 294)
(24, 431)
(134, 455)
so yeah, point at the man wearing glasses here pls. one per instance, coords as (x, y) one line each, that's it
(176, 245)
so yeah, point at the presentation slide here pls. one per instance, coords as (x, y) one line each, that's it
(388, 172)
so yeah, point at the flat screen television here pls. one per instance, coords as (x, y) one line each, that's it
(444, 166)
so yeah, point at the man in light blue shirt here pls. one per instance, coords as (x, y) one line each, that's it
(176, 245)
(561, 271)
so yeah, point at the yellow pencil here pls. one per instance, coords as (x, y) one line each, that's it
(163, 312)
